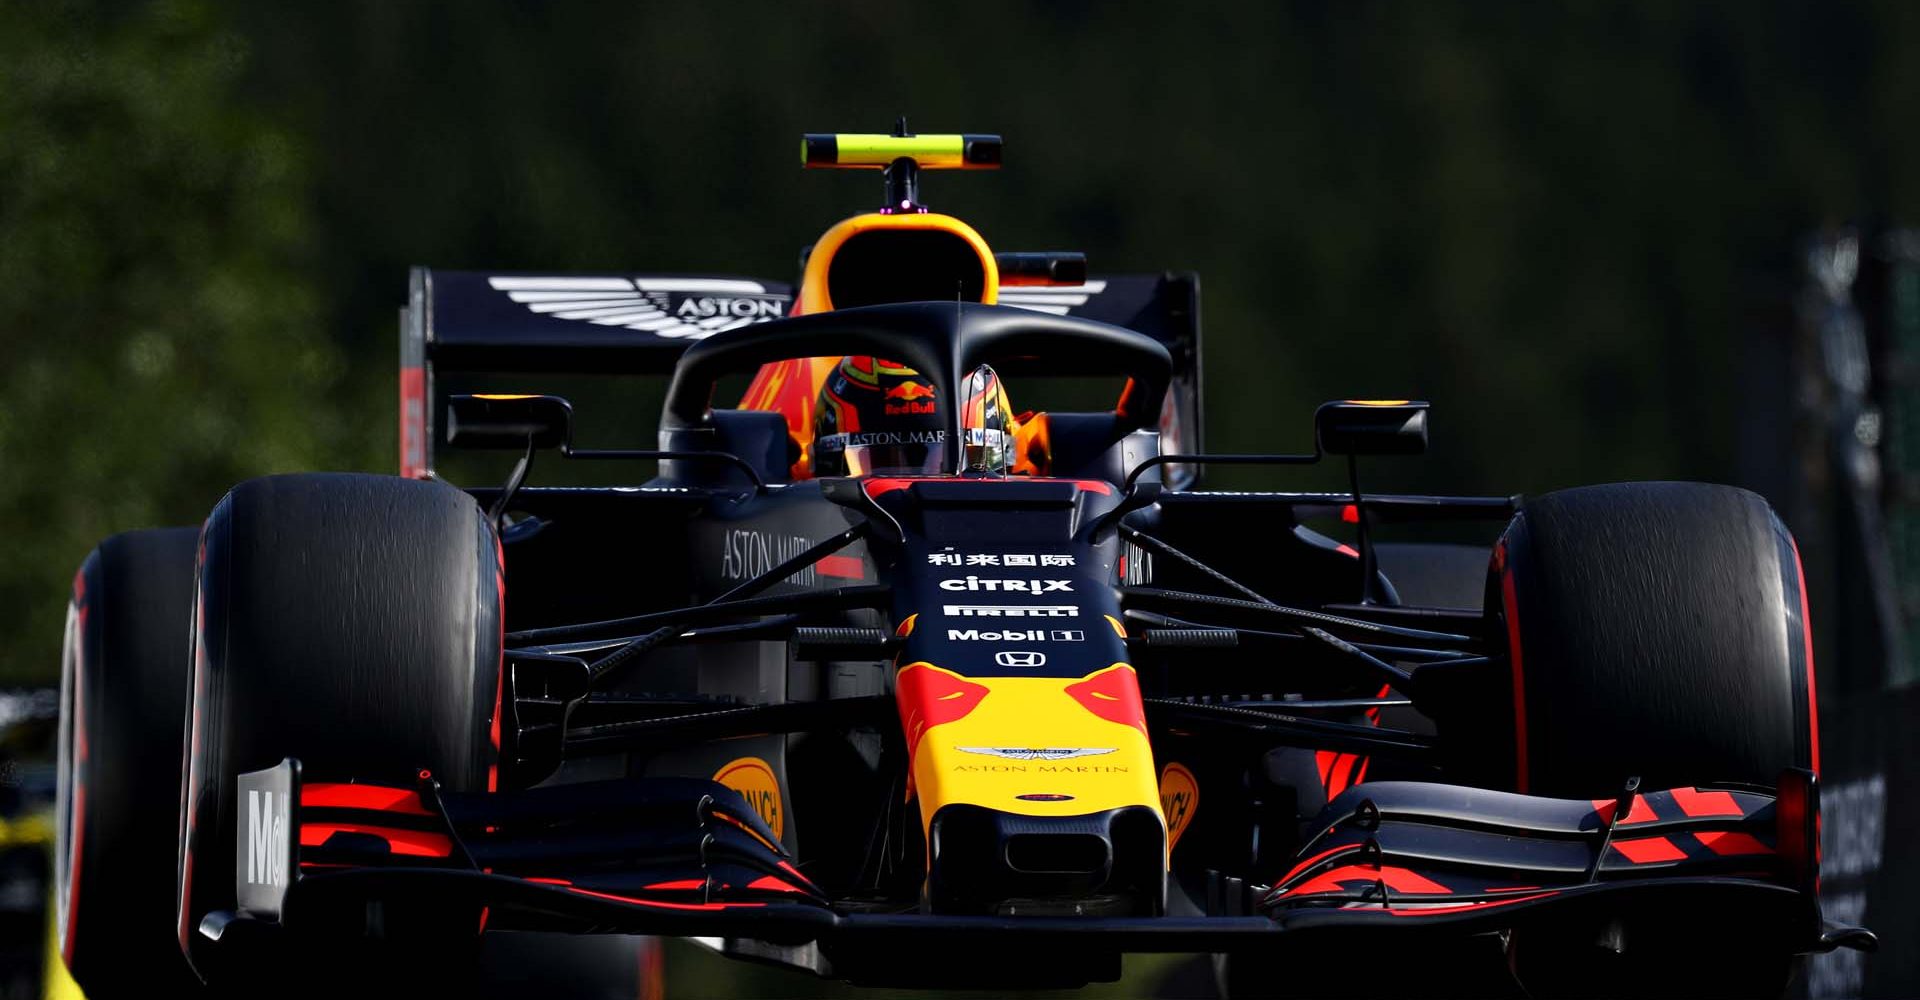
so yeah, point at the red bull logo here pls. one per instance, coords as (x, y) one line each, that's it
(910, 398)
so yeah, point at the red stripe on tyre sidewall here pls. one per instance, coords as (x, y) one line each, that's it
(1806, 636)
(500, 669)
(1510, 608)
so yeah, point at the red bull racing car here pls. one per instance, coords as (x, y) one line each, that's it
(885, 679)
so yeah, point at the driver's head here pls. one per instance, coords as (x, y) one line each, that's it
(876, 417)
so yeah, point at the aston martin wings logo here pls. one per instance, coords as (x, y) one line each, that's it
(680, 308)
(1056, 299)
(1037, 753)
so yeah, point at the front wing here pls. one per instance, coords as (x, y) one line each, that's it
(689, 858)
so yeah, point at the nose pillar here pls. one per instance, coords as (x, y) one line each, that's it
(986, 861)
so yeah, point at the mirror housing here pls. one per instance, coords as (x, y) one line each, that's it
(1371, 427)
(508, 421)
(1055, 268)
(986, 444)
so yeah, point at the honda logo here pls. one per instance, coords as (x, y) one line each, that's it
(1020, 658)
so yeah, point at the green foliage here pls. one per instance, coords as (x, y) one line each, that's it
(1557, 222)
(1571, 226)
(158, 318)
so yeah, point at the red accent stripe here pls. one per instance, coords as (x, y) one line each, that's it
(1790, 825)
(379, 797)
(1397, 880)
(771, 884)
(74, 868)
(1649, 850)
(1699, 804)
(1373, 719)
(411, 843)
(1316, 859)
(1350, 513)
(1806, 633)
(1325, 759)
(683, 883)
(1728, 843)
(843, 567)
(878, 486)
(1638, 812)
(736, 821)
(413, 416)
(1508, 603)
(1350, 775)
(1347, 550)
(1342, 774)
(795, 872)
(1373, 714)
(500, 672)
(1333, 782)
(658, 903)
(550, 881)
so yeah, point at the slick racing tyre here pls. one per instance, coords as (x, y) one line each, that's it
(123, 699)
(1657, 631)
(352, 622)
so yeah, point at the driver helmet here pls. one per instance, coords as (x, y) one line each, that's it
(878, 417)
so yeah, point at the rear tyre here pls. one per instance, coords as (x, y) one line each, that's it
(123, 695)
(351, 621)
(1658, 631)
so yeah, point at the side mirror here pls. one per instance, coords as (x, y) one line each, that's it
(504, 421)
(986, 446)
(1371, 427)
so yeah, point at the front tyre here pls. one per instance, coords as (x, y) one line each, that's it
(1657, 631)
(123, 699)
(351, 621)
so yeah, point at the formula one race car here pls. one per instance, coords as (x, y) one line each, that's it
(884, 679)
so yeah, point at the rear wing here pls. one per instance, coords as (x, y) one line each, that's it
(474, 321)
(478, 321)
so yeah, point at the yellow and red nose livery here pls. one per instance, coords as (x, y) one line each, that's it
(1036, 746)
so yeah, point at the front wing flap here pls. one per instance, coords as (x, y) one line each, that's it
(1411, 846)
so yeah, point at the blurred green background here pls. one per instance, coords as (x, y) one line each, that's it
(1558, 222)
